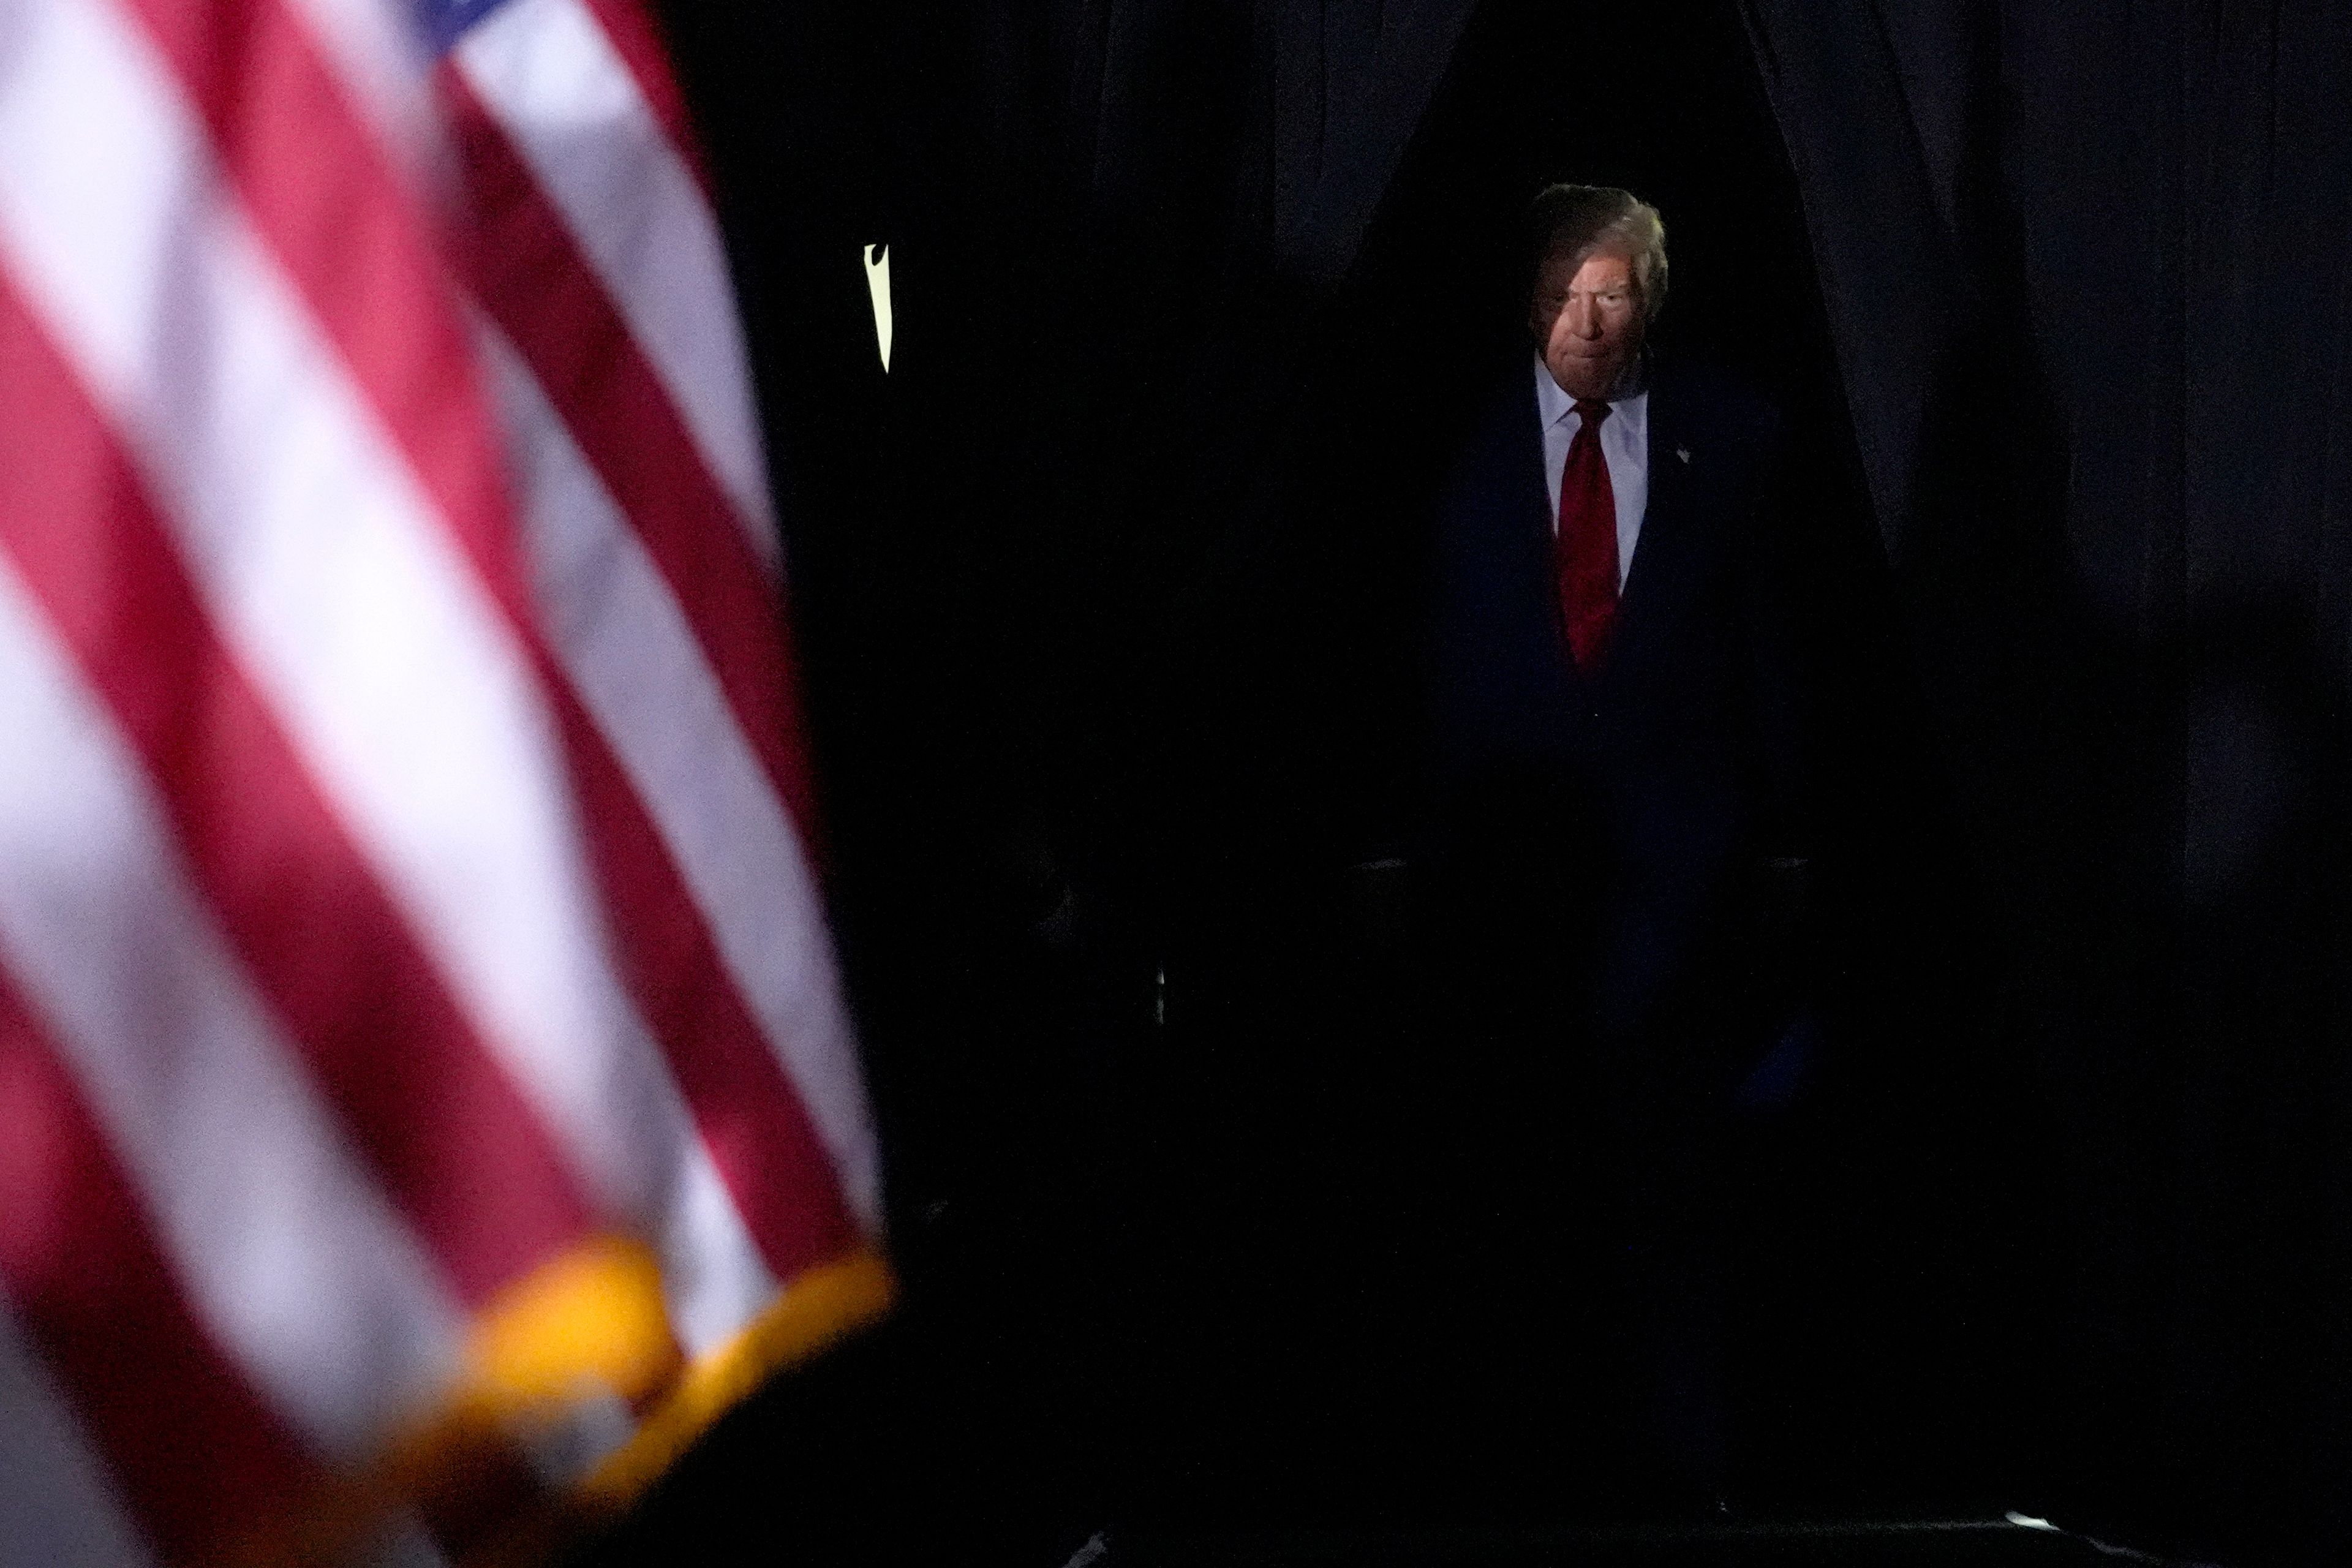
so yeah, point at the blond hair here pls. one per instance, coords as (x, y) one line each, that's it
(1579, 220)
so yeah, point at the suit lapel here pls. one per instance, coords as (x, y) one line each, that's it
(1532, 506)
(1532, 481)
(1659, 584)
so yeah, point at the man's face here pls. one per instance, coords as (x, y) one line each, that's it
(1587, 321)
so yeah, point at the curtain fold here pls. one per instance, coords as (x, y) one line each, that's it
(2089, 269)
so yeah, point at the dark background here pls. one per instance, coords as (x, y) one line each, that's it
(1107, 593)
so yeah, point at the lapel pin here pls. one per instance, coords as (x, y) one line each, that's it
(1683, 453)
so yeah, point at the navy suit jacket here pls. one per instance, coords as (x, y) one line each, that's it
(1630, 803)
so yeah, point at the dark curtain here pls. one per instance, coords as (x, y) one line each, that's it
(1106, 594)
(2089, 268)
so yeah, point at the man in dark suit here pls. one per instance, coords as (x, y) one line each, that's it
(1615, 770)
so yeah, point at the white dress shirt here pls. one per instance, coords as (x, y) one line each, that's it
(1624, 447)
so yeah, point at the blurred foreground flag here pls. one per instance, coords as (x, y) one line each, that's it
(424, 1084)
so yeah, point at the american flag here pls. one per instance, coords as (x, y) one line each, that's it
(421, 1056)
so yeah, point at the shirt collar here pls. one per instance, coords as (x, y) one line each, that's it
(1630, 412)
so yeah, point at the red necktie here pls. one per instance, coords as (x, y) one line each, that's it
(1584, 553)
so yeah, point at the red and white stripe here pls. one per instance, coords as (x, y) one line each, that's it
(644, 495)
(403, 855)
(580, 119)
